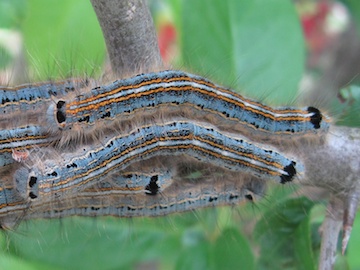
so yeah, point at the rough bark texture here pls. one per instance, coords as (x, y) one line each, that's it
(130, 35)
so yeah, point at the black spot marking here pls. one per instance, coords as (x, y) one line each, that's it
(152, 188)
(84, 119)
(291, 172)
(32, 195)
(249, 197)
(233, 197)
(226, 114)
(60, 104)
(72, 165)
(4, 101)
(60, 117)
(212, 199)
(316, 118)
(32, 181)
(106, 115)
(60, 114)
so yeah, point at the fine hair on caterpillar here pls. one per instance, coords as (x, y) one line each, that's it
(208, 190)
(78, 132)
(61, 228)
(252, 188)
(80, 168)
(202, 195)
(112, 129)
(176, 92)
(10, 196)
(137, 121)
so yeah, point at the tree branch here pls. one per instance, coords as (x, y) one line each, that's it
(330, 230)
(130, 36)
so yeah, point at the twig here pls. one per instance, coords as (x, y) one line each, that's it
(331, 228)
(130, 36)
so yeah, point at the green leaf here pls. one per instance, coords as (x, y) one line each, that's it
(60, 42)
(302, 243)
(9, 262)
(12, 13)
(284, 236)
(354, 9)
(232, 251)
(256, 46)
(83, 243)
(195, 251)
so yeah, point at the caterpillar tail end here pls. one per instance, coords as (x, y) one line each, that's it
(318, 119)
(292, 171)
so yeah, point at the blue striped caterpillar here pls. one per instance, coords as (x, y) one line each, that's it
(86, 166)
(98, 202)
(22, 116)
(27, 97)
(169, 94)
(112, 198)
(176, 93)
(162, 93)
(144, 181)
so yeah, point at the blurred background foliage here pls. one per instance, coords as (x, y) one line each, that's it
(281, 52)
